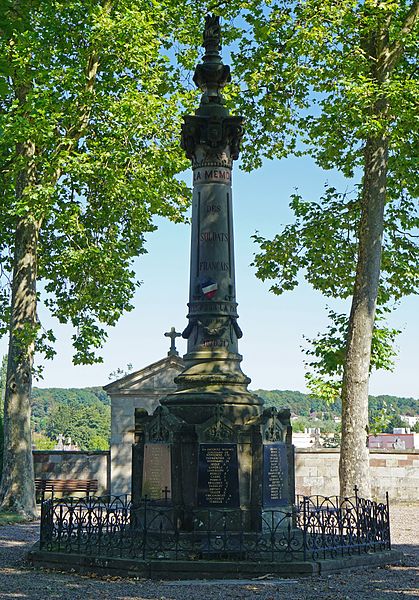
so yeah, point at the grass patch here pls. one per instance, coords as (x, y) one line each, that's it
(9, 518)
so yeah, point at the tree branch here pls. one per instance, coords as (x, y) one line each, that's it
(406, 233)
(394, 52)
(77, 130)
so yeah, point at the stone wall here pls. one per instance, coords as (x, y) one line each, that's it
(59, 464)
(395, 471)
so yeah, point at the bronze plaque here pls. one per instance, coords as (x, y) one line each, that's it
(157, 472)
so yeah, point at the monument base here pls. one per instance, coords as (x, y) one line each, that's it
(217, 463)
(204, 569)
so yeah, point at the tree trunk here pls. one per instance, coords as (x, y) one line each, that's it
(354, 456)
(17, 492)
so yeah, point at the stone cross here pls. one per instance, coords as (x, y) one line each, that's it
(172, 334)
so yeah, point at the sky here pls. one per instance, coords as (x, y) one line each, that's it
(273, 326)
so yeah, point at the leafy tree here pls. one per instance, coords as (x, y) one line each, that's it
(339, 80)
(90, 107)
(98, 442)
(300, 424)
(63, 411)
(82, 414)
(324, 374)
(87, 425)
(3, 374)
(43, 442)
(405, 406)
(394, 421)
(380, 418)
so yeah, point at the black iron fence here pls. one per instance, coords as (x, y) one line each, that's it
(315, 528)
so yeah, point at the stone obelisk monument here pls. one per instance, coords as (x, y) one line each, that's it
(210, 445)
(211, 139)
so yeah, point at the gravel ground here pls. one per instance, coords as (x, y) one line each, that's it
(19, 581)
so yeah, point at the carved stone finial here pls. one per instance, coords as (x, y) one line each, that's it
(212, 34)
(211, 75)
(212, 129)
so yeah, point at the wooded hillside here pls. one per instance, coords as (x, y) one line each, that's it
(303, 404)
(84, 413)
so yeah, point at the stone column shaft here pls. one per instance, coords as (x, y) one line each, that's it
(211, 139)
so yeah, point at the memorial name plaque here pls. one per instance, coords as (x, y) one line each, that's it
(157, 472)
(275, 475)
(218, 476)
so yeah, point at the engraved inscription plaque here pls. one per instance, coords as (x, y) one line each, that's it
(157, 473)
(275, 475)
(218, 476)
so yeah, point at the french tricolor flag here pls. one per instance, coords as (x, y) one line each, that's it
(209, 288)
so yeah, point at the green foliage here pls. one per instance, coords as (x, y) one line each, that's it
(324, 373)
(305, 405)
(301, 424)
(310, 80)
(101, 109)
(394, 421)
(322, 243)
(87, 425)
(379, 419)
(322, 233)
(299, 403)
(10, 518)
(98, 441)
(43, 442)
(82, 414)
(328, 426)
(404, 406)
(327, 78)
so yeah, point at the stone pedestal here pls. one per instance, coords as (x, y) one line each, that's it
(215, 465)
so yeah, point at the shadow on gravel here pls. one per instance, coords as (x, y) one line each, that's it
(19, 581)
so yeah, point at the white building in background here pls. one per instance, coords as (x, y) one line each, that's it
(411, 421)
(138, 391)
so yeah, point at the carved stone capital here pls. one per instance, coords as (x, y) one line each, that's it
(161, 426)
(276, 426)
(217, 429)
(218, 137)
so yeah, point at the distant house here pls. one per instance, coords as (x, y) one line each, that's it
(409, 420)
(394, 441)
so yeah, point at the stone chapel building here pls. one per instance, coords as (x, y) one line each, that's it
(141, 390)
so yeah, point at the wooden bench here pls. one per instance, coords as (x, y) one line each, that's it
(65, 486)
